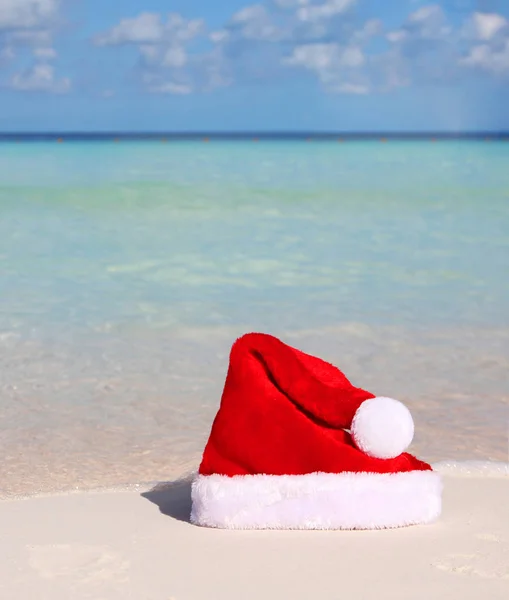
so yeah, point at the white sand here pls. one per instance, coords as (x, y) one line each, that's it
(121, 545)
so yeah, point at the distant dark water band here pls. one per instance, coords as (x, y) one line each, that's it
(251, 136)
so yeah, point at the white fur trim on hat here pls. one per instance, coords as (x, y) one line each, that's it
(317, 500)
(382, 427)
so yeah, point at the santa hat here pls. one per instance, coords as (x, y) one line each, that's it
(295, 445)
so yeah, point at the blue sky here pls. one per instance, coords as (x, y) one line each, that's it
(269, 65)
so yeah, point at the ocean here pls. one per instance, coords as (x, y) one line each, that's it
(128, 269)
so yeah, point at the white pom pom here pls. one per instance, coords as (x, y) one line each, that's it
(382, 427)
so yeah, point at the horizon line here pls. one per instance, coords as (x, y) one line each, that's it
(251, 134)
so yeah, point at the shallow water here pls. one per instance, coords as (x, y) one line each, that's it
(127, 270)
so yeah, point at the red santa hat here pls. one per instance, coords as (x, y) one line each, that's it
(295, 445)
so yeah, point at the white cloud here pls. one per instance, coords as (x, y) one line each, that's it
(250, 13)
(314, 56)
(424, 49)
(293, 21)
(28, 28)
(255, 23)
(175, 57)
(487, 58)
(41, 38)
(149, 28)
(325, 10)
(428, 22)
(290, 3)
(156, 83)
(338, 68)
(327, 39)
(370, 29)
(390, 70)
(488, 34)
(397, 36)
(249, 46)
(353, 88)
(323, 57)
(143, 29)
(182, 30)
(45, 53)
(485, 26)
(179, 89)
(149, 52)
(165, 65)
(21, 14)
(219, 36)
(40, 78)
(352, 57)
(426, 13)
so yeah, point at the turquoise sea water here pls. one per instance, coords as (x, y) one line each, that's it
(126, 271)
